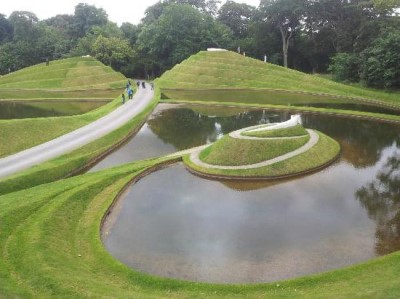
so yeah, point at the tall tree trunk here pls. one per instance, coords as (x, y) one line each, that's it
(286, 36)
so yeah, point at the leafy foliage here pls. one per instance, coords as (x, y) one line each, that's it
(345, 67)
(302, 34)
(381, 61)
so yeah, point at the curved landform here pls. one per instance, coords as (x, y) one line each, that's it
(49, 237)
(266, 151)
(78, 138)
(73, 79)
(227, 78)
(50, 247)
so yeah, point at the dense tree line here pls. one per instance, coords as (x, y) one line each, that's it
(356, 40)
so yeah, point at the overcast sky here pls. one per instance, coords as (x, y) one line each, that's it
(118, 11)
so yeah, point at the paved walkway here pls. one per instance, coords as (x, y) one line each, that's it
(314, 137)
(78, 138)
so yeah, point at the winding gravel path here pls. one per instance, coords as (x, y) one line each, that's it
(78, 138)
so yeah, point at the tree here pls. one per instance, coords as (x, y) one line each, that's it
(381, 61)
(388, 5)
(87, 16)
(6, 30)
(112, 51)
(206, 6)
(130, 32)
(180, 31)
(286, 16)
(237, 17)
(25, 25)
(63, 23)
(345, 67)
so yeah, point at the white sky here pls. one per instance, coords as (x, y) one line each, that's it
(118, 11)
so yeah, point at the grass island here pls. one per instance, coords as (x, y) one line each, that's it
(268, 151)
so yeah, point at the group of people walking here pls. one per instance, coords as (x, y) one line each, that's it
(129, 90)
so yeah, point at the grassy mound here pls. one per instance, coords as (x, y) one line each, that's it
(78, 78)
(317, 157)
(50, 247)
(227, 70)
(285, 132)
(230, 151)
(72, 78)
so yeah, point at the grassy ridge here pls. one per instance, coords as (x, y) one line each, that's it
(25, 133)
(78, 77)
(233, 152)
(50, 247)
(73, 73)
(209, 70)
(284, 132)
(61, 166)
(323, 152)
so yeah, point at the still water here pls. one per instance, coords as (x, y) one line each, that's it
(14, 110)
(174, 224)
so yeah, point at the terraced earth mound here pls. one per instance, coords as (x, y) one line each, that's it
(65, 82)
(230, 77)
(72, 78)
(265, 151)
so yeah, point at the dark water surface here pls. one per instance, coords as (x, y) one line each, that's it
(14, 109)
(174, 224)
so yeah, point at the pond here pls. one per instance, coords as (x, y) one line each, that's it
(174, 224)
(34, 109)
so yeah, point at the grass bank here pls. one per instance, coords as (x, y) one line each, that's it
(50, 247)
(230, 151)
(297, 130)
(321, 154)
(202, 105)
(77, 78)
(228, 70)
(21, 134)
(62, 166)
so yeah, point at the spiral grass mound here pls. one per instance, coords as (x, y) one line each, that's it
(266, 151)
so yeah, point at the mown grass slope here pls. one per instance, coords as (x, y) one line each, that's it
(230, 151)
(320, 155)
(216, 70)
(50, 247)
(78, 77)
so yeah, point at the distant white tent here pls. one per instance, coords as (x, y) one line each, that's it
(215, 49)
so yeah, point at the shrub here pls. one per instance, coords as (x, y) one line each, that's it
(345, 67)
(381, 62)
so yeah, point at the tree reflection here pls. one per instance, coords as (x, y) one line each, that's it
(185, 128)
(381, 198)
(362, 141)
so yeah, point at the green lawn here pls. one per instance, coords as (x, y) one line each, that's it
(233, 152)
(21, 134)
(50, 243)
(50, 247)
(62, 166)
(325, 151)
(79, 78)
(284, 132)
(72, 78)
(224, 70)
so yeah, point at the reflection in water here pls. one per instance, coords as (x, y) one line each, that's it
(201, 230)
(185, 128)
(204, 230)
(171, 130)
(381, 199)
(361, 141)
